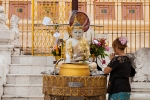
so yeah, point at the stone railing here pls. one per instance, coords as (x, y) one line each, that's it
(5, 60)
(140, 82)
(140, 61)
(3, 72)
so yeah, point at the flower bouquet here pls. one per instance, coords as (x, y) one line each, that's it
(98, 47)
(56, 51)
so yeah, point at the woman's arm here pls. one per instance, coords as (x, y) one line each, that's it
(107, 70)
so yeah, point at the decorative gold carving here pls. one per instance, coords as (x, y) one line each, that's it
(82, 48)
(56, 86)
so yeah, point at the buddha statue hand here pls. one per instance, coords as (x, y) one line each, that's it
(77, 58)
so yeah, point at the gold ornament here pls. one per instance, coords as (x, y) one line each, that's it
(82, 46)
(75, 25)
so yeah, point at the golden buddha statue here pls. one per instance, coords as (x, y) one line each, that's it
(77, 47)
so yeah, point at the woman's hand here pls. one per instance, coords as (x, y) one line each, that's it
(111, 56)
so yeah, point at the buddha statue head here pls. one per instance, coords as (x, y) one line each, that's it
(76, 30)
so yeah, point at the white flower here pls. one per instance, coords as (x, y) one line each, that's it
(95, 41)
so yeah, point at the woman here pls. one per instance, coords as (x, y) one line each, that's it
(120, 71)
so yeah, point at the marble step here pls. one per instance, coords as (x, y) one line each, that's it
(10, 97)
(134, 96)
(140, 96)
(28, 69)
(32, 60)
(140, 86)
(24, 79)
(23, 90)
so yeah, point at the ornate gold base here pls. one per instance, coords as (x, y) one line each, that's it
(66, 86)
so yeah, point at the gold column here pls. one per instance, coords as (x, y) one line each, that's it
(149, 23)
(32, 27)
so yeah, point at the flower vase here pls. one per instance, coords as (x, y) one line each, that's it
(57, 58)
(98, 66)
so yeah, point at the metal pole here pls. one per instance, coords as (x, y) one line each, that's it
(32, 27)
(74, 5)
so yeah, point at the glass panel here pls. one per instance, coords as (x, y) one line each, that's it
(20, 10)
(104, 11)
(131, 11)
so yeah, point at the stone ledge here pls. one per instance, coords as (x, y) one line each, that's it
(32, 65)
(41, 96)
(140, 85)
(29, 69)
(23, 85)
(33, 60)
(6, 47)
(23, 89)
(34, 97)
(24, 79)
(24, 75)
(140, 90)
(140, 96)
